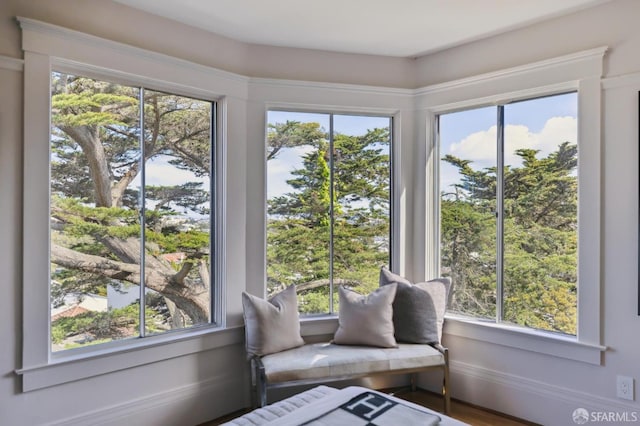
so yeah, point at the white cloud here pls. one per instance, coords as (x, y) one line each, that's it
(556, 131)
(480, 147)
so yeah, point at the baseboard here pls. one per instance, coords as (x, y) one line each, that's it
(527, 398)
(187, 405)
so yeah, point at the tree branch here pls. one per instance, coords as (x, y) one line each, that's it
(90, 263)
(324, 282)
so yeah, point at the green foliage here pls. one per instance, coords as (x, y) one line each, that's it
(293, 134)
(87, 108)
(189, 241)
(96, 159)
(98, 324)
(85, 220)
(540, 240)
(300, 224)
(99, 327)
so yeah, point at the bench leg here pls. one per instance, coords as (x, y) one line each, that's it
(258, 384)
(261, 386)
(414, 381)
(261, 392)
(446, 392)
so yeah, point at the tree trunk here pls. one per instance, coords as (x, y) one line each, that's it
(193, 300)
(91, 145)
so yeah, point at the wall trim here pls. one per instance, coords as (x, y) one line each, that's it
(497, 382)
(152, 409)
(13, 64)
(341, 87)
(530, 340)
(157, 348)
(631, 79)
(514, 71)
(28, 24)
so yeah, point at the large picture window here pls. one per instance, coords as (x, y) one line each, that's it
(509, 211)
(329, 204)
(132, 211)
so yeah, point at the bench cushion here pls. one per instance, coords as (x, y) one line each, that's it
(326, 360)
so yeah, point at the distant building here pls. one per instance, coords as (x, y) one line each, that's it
(76, 304)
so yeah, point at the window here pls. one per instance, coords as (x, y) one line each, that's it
(509, 211)
(328, 213)
(131, 211)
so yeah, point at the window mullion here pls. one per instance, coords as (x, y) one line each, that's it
(500, 215)
(215, 307)
(142, 307)
(331, 218)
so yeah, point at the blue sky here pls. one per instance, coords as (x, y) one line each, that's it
(541, 124)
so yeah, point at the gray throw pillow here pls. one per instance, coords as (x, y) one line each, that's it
(418, 309)
(366, 320)
(271, 325)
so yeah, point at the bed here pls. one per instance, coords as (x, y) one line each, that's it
(351, 406)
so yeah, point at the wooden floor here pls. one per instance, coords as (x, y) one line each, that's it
(467, 413)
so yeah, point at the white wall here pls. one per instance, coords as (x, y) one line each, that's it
(196, 387)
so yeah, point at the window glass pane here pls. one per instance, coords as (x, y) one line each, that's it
(178, 214)
(467, 209)
(540, 222)
(97, 172)
(95, 231)
(328, 220)
(298, 182)
(362, 171)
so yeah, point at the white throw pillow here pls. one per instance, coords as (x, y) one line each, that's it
(271, 325)
(366, 320)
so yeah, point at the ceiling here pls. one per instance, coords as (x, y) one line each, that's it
(403, 28)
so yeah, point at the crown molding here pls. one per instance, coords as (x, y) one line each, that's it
(341, 87)
(487, 78)
(50, 30)
(623, 80)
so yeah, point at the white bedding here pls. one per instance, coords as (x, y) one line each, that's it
(357, 405)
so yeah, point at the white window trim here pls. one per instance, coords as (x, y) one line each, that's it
(581, 72)
(47, 47)
(314, 97)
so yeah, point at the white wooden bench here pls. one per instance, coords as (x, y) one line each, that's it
(325, 362)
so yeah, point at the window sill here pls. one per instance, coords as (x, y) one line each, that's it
(318, 325)
(69, 367)
(548, 343)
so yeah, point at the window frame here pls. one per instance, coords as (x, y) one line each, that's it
(331, 112)
(579, 73)
(48, 48)
(214, 317)
(499, 147)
